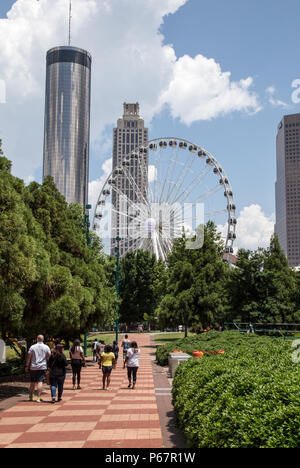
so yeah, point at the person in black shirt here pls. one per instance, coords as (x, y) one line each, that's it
(57, 366)
(115, 350)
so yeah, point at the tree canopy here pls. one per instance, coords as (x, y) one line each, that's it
(142, 283)
(263, 288)
(195, 290)
(51, 282)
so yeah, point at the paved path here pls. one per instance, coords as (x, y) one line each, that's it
(91, 417)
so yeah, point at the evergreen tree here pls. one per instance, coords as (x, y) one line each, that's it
(263, 287)
(51, 282)
(141, 279)
(195, 290)
(19, 249)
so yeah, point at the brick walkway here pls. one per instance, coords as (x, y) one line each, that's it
(91, 417)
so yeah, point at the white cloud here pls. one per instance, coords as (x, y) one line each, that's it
(130, 63)
(254, 228)
(270, 91)
(96, 185)
(199, 90)
(29, 179)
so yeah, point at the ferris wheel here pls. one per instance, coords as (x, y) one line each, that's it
(161, 191)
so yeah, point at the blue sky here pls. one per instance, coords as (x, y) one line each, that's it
(249, 38)
(4, 7)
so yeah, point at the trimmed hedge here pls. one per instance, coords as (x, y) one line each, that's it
(247, 398)
(211, 341)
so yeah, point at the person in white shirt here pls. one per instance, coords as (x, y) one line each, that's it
(132, 362)
(37, 365)
(95, 347)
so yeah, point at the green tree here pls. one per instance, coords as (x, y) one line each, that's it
(263, 287)
(195, 290)
(51, 282)
(140, 286)
(76, 294)
(18, 249)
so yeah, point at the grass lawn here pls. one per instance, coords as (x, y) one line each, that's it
(108, 339)
(164, 338)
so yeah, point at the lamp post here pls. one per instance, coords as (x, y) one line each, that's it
(117, 285)
(88, 241)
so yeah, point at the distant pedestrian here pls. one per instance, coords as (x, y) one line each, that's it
(77, 361)
(37, 365)
(57, 367)
(132, 362)
(115, 350)
(94, 347)
(125, 345)
(56, 341)
(107, 363)
(100, 349)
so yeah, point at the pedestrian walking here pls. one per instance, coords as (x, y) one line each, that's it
(132, 362)
(77, 361)
(115, 350)
(100, 349)
(107, 363)
(57, 367)
(95, 347)
(125, 345)
(37, 365)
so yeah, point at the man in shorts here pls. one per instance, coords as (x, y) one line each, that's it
(36, 364)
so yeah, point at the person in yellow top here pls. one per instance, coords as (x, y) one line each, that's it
(108, 363)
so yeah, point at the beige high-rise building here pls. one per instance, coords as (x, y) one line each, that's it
(288, 187)
(129, 136)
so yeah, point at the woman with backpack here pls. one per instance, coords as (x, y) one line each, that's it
(77, 361)
(125, 345)
(132, 361)
(57, 372)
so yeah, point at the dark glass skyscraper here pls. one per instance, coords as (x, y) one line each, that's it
(67, 121)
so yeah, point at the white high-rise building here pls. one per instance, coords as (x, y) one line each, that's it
(129, 135)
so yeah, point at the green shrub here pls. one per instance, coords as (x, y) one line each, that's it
(12, 367)
(211, 341)
(247, 398)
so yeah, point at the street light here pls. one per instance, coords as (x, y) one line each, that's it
(88, 241)
(117, 249)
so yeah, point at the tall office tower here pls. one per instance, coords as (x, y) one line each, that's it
(129, 135)
(67, 121)
(288, 187)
